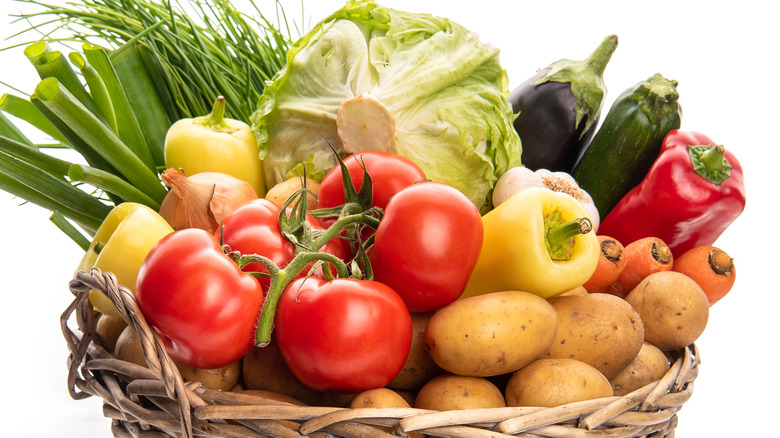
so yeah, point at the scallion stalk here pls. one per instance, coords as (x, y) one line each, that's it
(62, 222)
(110, 183)
(97, 89)
(9, 130)
(55, 65)
(130, 131)
(25, 110)
(55, 194)
(34, 157)
(99, 137)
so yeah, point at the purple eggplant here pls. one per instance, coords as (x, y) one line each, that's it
(559, 108)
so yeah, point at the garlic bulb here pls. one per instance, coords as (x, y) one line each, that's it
(517, 179)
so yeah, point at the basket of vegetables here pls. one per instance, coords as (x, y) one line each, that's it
(357, 246)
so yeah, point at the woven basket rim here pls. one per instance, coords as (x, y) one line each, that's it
(155, 401)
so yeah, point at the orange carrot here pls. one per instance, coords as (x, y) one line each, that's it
(711, 268)
(643, 257)
(611, 263)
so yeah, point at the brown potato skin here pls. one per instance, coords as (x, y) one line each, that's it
(281, 192)
(491, 334)
(419, 367)
(109, 327)
(674, 309)
(223, 378)
(599, 329)
(128, 348)
(452, 392)
(650, 365)
(265, 369)
(379, 398)
(555, 382)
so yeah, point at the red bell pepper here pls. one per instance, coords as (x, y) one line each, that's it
(691, 194)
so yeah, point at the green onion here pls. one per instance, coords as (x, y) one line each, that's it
(26, 110)
(149, 102)
(99, 137)
(110, 183)
(97, 89)
(35, 157)
(55, 65)
(216, 51)
(56, 194)
(129, 128)
(66, 227)
(8, 129)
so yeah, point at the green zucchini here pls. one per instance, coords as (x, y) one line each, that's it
(628, 141)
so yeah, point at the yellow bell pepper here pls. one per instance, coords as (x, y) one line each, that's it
(537, 241)
(215, 143)
(121, 243)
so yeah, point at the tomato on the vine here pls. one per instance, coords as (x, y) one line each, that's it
(254, 228)
(427, 245)
(343, 335)
(203, 306)
(389, 174)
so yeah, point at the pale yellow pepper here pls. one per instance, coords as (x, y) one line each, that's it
(121, 243)
(536, 241)
(215, 143)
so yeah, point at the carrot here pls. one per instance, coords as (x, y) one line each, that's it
(711, 268)
(643, 257)
(611, 263)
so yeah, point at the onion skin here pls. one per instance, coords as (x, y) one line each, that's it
(202, 200)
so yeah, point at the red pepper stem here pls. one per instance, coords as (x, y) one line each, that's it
(709, 161)
(559, 238)
(280, 279)
(712, 159)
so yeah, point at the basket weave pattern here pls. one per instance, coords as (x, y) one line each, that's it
(155, 402)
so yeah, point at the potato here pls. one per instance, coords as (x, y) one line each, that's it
(649, 366)
(382, 398)
(599, 329)
(109, 327)
(673, 308)
(379, 398)
(579, 290)
(450, 392)
(419, 367)
(491, 334)
(265, 369)
(223, 378)
(128, 348)
(281, 192)
(555, 382)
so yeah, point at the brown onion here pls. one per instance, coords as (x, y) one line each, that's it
(203, 199)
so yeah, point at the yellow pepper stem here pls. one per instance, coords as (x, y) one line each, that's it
(216, 119)
(559, 235)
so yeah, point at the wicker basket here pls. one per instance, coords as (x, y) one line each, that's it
(156, 402)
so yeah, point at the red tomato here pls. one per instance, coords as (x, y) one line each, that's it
(343, 335)
(197, 298)
(389, 174)
(253, 228)
(427, 245)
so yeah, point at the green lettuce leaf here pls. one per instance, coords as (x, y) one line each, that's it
(445, 90)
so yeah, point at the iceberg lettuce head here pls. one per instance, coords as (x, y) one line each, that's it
(373, 78)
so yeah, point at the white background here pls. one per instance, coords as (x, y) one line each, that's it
(724, 55)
